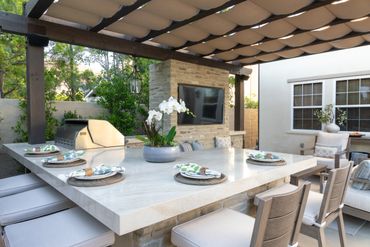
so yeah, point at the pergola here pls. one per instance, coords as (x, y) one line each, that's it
(226, 34)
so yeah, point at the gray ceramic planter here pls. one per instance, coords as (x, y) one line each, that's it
(161, 154)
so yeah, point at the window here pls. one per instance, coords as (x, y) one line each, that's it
(307, 97)
(353, 96)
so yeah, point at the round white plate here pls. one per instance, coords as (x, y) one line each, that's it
(195, 176)
(265, 160)
(93, 177)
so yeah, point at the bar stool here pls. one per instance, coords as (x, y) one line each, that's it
(31, 204)
(19, 183)
(72, 227)
(277, 223)
(321, 209)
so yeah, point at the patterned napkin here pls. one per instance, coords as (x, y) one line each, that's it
(65, 156)
(195, 169)
(98, 170)
(44, 148)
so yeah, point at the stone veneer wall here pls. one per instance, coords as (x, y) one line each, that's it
(164, 80)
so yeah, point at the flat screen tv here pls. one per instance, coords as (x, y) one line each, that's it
(207, 104)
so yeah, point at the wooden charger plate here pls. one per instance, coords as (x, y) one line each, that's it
(63, 165)
(96, 182)
(260, 163)
(42, 154)
(193, 181)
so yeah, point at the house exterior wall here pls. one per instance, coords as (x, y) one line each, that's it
(276, 132)
(164, 80)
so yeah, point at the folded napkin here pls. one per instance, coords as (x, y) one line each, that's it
(44, 148)
(65, 156)
(263, 155)
(195, 169)
(98, 170)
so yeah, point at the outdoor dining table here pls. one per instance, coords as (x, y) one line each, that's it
(149, 193)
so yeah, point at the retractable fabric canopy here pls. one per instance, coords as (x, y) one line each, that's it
(235, 32)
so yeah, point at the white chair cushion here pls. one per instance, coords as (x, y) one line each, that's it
(72, 227)
(329, 162)
(223, 142)
(31, 204)
(313, 206)
(221, 228)
(333, 139)
(20, 183)
(359, 199)
(282, 189)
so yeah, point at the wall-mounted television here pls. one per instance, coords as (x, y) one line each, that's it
(207, 104)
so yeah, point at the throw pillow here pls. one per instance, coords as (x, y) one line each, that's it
(325, 151)
(361, 176)
(197, 145)
(223, 142)
(186, 147)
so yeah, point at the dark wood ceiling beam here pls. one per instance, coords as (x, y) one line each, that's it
(316, 4)
(303, 55)
(317, 42)
(22, 25)
(35, 8)
(125, 10)
(266, 39)
(177, 24)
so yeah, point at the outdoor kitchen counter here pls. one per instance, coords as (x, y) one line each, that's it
(149, 194)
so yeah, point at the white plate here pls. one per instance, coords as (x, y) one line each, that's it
(265, 160)
(93, 177)
(55, 161)
(196, 176)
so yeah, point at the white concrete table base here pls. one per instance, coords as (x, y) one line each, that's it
(149, 194)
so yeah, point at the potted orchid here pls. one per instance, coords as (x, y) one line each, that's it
(158, 145)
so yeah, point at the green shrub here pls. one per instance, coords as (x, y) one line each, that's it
(250, 104)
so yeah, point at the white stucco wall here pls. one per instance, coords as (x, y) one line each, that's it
(275, 92)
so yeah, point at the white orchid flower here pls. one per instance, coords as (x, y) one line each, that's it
(153, 114)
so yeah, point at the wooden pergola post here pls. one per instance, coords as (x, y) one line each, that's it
(36, 121)
(239, 102)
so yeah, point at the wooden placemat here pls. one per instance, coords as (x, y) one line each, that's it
(260, 163)
(192, 181)
(42, 155)
(97, 182)
(63, 165)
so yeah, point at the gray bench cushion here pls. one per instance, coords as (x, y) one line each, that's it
(361, 176)
(20, 183)
(72, 227)
(31, 204)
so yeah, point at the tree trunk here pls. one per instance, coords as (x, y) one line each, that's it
(72, 76)
(2, 73)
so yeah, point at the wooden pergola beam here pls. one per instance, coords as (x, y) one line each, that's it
(316, 4)
(125, 10)
(35, 8)
(177, 24)
(239, 102)
(316, 42)
(23, 26)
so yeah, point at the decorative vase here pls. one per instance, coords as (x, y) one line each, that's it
(161, 154)
(332, 128)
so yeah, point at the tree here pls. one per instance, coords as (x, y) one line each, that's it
(12, 57)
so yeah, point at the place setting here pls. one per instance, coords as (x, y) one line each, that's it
(42, 151)
(194, 174)
(65, 159)
(265, 159)
(96, 176)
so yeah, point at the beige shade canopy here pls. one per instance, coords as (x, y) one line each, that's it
(232, 31)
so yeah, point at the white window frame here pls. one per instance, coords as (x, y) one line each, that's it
(305, 107)
(347, 78)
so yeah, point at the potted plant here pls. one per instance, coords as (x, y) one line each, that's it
(158, 145)
(327, 117)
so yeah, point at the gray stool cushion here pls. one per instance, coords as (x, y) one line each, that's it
(221, 228)
(31, 204)
(72, 227)
(20, 183)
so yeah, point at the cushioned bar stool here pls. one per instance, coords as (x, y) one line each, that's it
(321, 209)
(19, 183)
(31, 204)
(277, 223)
(71, 227)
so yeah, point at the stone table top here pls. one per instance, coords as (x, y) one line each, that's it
(149, 194)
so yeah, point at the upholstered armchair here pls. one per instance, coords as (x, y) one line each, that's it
(331, 149)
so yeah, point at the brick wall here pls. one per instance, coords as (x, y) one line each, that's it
(164, 80)
(250, 127)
